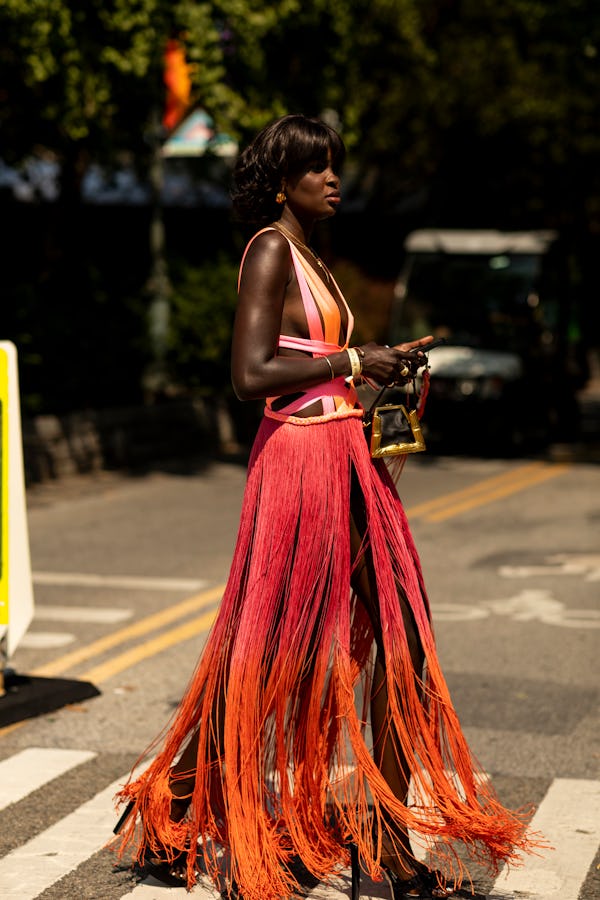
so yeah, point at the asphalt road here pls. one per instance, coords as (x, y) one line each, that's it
(128, 573)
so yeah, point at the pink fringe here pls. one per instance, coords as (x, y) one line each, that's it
(289, 650)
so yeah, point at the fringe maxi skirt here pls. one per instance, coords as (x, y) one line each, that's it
(279, 702)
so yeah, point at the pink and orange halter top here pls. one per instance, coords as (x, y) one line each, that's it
(338, 397)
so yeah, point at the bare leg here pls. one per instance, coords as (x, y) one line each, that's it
(387, 750)
(183, 773)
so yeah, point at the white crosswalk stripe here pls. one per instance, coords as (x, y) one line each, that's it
(102, 615)
(568, 816)
(34, 639)
(125, 582)
(30, 769)
(46, 640)
(30, 869)
(337, 890)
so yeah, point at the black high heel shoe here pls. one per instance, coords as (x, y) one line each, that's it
(423, 885)
(436, 882)
(170, 869)
(413, 888)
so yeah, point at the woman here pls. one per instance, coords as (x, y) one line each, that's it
(269, 758)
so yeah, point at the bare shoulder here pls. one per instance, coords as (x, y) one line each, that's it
(269, 245)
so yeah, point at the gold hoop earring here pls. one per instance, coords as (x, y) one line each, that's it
(280, 198)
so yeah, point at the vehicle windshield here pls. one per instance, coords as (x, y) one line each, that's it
(488, 301)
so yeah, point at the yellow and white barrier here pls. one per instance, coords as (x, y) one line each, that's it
(16, 590)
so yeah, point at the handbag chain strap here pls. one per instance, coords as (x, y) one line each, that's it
(368, 415)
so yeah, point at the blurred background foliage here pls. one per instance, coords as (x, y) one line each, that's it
(461, 113)
(203, 304)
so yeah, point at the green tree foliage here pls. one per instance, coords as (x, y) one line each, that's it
(203, 303)
(418, 85)
(90, 73)
(85, 81)
(486, 113)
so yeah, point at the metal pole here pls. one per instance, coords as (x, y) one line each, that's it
(158, 286)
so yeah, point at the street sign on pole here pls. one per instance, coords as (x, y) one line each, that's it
(196, 136)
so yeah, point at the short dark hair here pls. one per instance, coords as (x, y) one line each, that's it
(283, 149)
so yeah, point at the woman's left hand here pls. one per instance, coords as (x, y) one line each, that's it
(414, 359)
(392, 365)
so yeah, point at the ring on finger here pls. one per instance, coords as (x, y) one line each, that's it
(404, 371)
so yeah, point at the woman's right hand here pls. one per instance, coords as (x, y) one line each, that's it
(389, 365)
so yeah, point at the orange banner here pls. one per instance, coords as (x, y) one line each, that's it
(178, 83)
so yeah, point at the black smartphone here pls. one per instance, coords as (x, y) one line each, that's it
(425, 348)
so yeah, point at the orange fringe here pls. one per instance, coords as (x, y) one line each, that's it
(289, 771)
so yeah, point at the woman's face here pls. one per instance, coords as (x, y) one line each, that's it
(315, 192)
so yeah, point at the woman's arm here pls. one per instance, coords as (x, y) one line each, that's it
(256, 369)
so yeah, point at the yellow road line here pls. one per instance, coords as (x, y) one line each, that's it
(486, 491)
(436, 510)
(161, 642)
(8, 728)
(518, 485)
(136, 629)
(130, 657)
(477, 488)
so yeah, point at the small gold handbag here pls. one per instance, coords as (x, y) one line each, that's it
(395, 430)
(392, 429)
